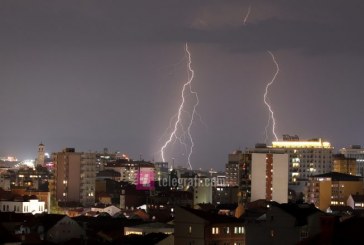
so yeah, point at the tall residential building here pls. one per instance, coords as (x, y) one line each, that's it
(40, 155)
(357, 152)
(306, 157)
(232, 168)
(271, 167)
(75, 176)
(261, 173)
(345, 165)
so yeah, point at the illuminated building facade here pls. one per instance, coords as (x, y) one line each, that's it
(345, 165)
(129, 169)
(33, 206)
(357, 152)
(75, 176)
(102, 158)
(332, 188)
(232, 168)
(306, 157)
(34, 179)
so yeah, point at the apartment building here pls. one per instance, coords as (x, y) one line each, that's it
(75, 176)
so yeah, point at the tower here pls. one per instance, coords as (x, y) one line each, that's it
(41, 152)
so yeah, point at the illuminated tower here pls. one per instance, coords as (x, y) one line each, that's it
(41, 153)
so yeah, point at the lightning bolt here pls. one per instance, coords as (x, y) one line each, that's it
(191, 76)
(179, 123)
(247, 15)
(266, 102)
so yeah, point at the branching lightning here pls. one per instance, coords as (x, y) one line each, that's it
(266, 102)
(178, 125)
(247, 15)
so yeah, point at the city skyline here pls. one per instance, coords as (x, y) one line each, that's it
(109, 74)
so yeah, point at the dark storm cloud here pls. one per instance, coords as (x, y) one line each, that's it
(311, 26)
(88, 73)
(317, 28)
(275, 34)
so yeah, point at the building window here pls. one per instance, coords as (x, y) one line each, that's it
(215, 230)
(239, 230)
(304, 234)
(190, 229)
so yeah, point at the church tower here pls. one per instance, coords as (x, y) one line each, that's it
(40, 158)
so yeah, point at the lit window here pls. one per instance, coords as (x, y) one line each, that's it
(215, 230)
(239, 230)
(190, 229)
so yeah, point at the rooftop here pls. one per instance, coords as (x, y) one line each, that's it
(335, 176)
(300, 211)
(212, 217)
(358, 198)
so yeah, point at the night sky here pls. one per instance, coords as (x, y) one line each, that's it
(95, 74)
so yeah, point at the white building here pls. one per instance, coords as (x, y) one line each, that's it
(269, 177)
(33, 206)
